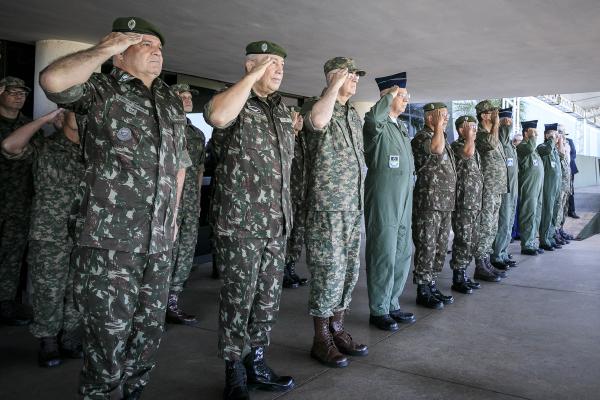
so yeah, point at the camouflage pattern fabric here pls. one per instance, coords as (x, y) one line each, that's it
(129, 188)
(433, 203)
(332, 255)
(552, 183)
(295, 242)
(252, 276)
(251, 216)
(565, 191)
(465, 217)
(57, 171)
(508, 206)
(335, 192)
(15, 197)
(189, 209)
(531, 182)
(122, 298)
(495, 183)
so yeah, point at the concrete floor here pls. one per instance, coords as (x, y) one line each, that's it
(536, 335)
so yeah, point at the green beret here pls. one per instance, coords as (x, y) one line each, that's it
(137, 25)
(433, 106)
(485, 106)
(183, 87)
(265, 47)
(462, 119)
(342, 62)
(11, 81)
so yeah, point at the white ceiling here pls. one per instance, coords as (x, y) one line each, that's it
(451, 50)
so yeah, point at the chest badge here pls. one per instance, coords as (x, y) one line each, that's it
(255, 109)
(124, 134)
(509, 162)
(535, 163)
(394, 161)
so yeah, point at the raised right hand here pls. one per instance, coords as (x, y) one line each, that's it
(438, 118)
(337, 77)
(259, 68)
(118, 42)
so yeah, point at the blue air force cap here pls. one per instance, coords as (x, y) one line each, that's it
(529, 124)
(505, 112)
(550, 127)
(386, 82)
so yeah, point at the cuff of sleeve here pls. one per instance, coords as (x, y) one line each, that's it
(68, 96)
(24, 154)
(309, 124)
(185, 160)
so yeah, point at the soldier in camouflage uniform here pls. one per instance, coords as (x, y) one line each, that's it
(295, 242)
(433, 203)
(251, 215)
(334, 200)
(531, 182)
(465, 217)
(566, 185)
(15, 198)
(506, 215)
(135, 157)
(57, 171)
(189, 213)
(495, 184)
(551, 191)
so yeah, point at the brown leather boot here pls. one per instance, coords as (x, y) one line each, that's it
(323, 348)
(342, 339)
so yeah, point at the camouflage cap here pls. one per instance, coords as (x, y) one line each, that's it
(462, 119)
(433, 106)
(137, 25)
(342, 62)
(485, 106)
(265, 47)
(11, 81)
(183, 87)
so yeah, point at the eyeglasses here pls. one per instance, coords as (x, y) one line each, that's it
(17, 93)
(405, 96)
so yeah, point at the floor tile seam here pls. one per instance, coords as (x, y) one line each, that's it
(446, 381)
(309, 380)
(551, 289)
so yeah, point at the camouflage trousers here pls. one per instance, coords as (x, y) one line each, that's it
(122, 298)
(506, 220)
(13, 242)
(488, 223)
(295, 242)
(562, 205)
(252, 272)
(52, 282)
(430, 231)
(465, 225)
(332, 255)
(183, 251)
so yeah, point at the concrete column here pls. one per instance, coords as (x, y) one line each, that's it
(46, 51)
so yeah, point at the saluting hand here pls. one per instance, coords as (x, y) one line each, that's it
(118, 42)
(259, 69)
(495, 118)
(438, 119)
(337, 77)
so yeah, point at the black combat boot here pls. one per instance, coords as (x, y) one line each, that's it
(175, 315)
(558, 239)
(494, 270)
(483, 273)
(459, 282)
(384, 322)
(294, 275)
(70, 345)
(436, 292)
(428, 299)
(473, 284)
(11, 315)
(235, 381)
(261, 376)
(49, 356)
(288, 280)
(500, 265)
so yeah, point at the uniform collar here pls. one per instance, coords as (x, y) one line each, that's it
(123, 76)
(273, 99)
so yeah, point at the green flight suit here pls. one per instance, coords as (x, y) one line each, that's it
(531, 182)
(508, 207)
(552, 182)
(388, 205)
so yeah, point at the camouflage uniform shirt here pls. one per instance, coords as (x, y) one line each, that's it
(493, 162)
(196, 142)
(436, 174)
(335, 159)
(469, 183)
(251, 197)
(134, 145)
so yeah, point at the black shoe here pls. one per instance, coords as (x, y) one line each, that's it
(546, 248)
(436, 292)
(573, 215)
(235, 381)
(502, 266)
(474, 285)
(292, 273)
(402, 317)
(559, 240)
(10, 314)
(175, 315)
(49, 356)
(384, 322)
(556, 245)
(288, 281)
(70, 345)
(427, 299)
(261, 376)
(511, 263)
(529, 252)
(541, 251)
(459, 282)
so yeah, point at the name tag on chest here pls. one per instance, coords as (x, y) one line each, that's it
(510, 162)
(394, 162)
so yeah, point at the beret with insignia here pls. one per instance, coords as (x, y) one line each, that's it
(433, 106)
(137, 25)
(342, 62)
(462, 119)
(265, 47)
(386, 82)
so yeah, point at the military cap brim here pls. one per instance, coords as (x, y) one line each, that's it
(137, 25)
(265, 47)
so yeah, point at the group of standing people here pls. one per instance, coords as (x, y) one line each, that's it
(129, 167)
